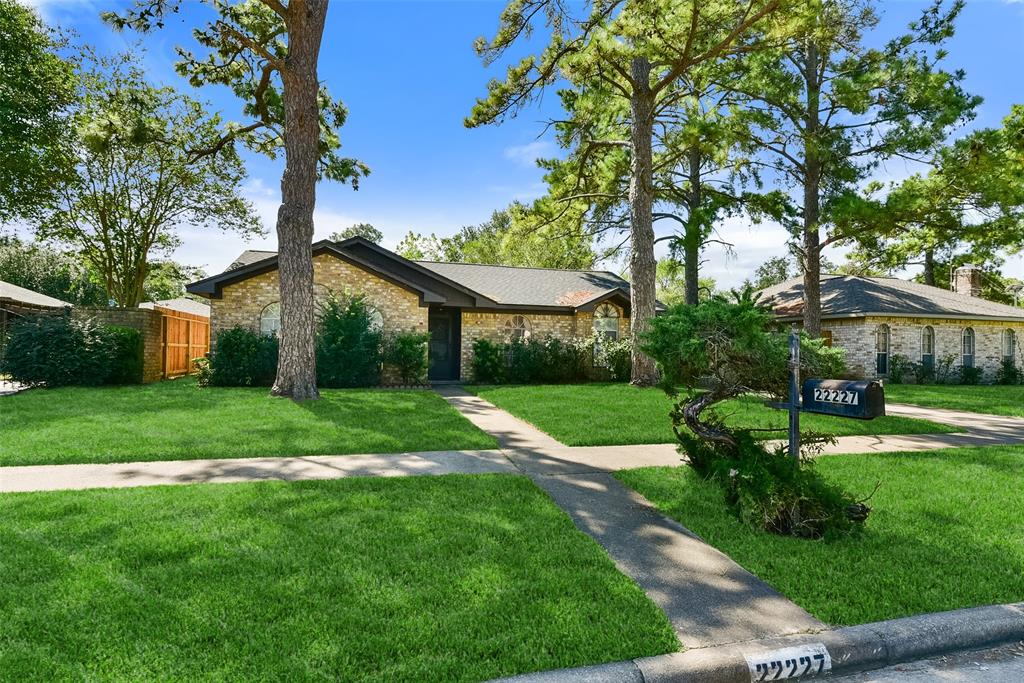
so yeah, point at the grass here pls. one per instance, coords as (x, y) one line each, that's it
(620, 414)
(463, 577)
(946, 531)
(178, 420)
(994, 400)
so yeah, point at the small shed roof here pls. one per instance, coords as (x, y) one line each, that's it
(181, 304)
(19, 296)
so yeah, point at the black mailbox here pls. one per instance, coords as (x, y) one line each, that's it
(864, 400)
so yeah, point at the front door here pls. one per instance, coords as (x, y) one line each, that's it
(445, 341)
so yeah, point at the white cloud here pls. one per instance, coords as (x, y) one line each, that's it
(527, 155)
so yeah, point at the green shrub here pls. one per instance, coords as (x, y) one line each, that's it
(241, 358)
(58, 350)
(531, 361)
(615, 356)
(970, 376)
(1009, 373)
(719, 350)
(899, 368)
(348, 349)
(924, 374)
(945, 371)
(489, 362)
(406, 353)
(126, 350)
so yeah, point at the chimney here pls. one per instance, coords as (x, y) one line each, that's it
(967, 280)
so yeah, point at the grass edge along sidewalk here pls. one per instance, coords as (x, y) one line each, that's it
(177, 420)
(621, 414)
(458, 577)
(944, 533)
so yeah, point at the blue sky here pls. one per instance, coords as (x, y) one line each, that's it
(408, 73)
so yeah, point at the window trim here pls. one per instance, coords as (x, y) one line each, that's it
(928, 357)
(512, 328)
(1009, 344)
(882, 357)
(263, 316)
(967, 359)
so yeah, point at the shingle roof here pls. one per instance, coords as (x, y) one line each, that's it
(848, 296)
(19, 295)
(249, 256)
(531, 286)
(180, 304)
(509, 285)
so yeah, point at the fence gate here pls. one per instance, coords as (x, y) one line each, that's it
(186, 336)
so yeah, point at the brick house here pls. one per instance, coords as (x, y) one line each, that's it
(456, 303)
(875, 319)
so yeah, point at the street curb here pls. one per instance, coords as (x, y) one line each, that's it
(851, 649)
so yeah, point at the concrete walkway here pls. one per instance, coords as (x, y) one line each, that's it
(708, 598)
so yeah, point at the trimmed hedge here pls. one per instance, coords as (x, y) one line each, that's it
(58, 350)
(551, 360)
(406, 354)
(348, 349)
(241, 358)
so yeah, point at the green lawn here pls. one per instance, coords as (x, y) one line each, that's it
(178, 420)
(419, 579)
(946, 531)
(994, 400)
(619, 414)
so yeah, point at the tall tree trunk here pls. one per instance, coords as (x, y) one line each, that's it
(693, 233)
(296, 364)
(642, 265)
(929, 267)
(812, 198)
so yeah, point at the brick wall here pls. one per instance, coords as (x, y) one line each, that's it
(243, 302)
(146, 321)
(857, 337)
(491, 325)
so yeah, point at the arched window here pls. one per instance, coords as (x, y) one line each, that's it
(928, 347)
(882, 350)
(1009, 347)
(270, 319)
(517, 328)
(968, 348)
(376, 318)
(606, 322)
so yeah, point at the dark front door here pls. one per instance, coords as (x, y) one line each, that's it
(444, 325)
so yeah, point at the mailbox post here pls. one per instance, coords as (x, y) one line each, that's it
(794, 393)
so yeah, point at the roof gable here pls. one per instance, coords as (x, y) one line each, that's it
(456, 284)
(853, 296)
(14, 294)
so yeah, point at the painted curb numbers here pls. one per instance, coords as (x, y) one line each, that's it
(803, 661)
(840, 396)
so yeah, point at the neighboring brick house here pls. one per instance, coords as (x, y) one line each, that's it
(874, 319)
(456, 303)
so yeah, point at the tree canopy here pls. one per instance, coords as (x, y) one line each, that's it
(364, 230)
(36, 92)
(137, 180)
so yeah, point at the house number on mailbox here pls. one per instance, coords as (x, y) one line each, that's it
(846, 398)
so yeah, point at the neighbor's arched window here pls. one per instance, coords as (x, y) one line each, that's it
(606, 322)
(882, 350)
(517, 328)
(270, 319)
(928, 347)
(1009, 347)
(968, 348)
(376, 318)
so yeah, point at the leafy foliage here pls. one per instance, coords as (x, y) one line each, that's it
(137, 179)
(970, 375)
(532, 361)
(364, 230)
(62, 275)
(720, 350)
(240, 358)
(1008, 373)
(38, 87)
(406, 353)
(58, 350)
(126, 353)
(348, 349)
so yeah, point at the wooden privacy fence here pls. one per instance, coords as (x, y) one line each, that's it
(185, 337)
